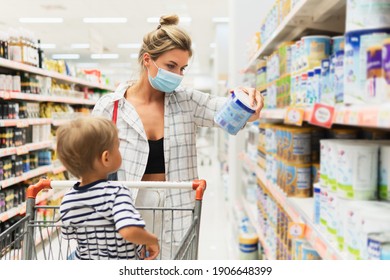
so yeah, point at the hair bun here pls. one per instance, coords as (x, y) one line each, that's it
(169, 20)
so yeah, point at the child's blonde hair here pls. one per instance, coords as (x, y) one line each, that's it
(81, 141)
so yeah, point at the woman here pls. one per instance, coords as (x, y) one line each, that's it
(157, 120)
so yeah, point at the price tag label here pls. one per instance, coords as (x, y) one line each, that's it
(384, 119)
(322, 115)
(353, 118)
(296, 230)
(368, 117)
(21, 150)
(22, 123)
(6, 95)
(340, 117)
(294, 116)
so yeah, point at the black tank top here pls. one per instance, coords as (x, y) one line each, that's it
(156, 162)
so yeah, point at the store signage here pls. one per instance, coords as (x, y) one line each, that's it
(322, 115)
(294, 116)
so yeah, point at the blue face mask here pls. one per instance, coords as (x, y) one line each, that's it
(165, 81)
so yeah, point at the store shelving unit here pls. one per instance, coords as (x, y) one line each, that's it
(377, 116)
(8, 66)
(307, 15)
(17, 66)
(301, 210)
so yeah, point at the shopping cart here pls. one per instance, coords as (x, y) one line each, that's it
(37, 236)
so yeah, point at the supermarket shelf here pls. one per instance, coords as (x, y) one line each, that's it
(28, 175)
(251, 211)
(21, 209)
(307, 14)
(317, 238)
(377, 116)
(24, 122)
(45, 98)
(21, 150)
(9, 64)
(300, 210)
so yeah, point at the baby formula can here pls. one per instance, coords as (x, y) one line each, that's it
(317, 203)
(358, 162)
(355, 61)
(339, 77)
(315, 49)
(235, 113)
(386, 67)
(367, 14)
(375, 81)
(298, 179)
(337, 44)
(384, 173)
(309, 253)
(299, 145)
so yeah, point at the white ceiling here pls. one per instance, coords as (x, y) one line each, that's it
(74, 30)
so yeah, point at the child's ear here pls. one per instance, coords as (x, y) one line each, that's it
(105, 158)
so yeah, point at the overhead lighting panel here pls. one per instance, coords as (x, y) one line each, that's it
(79, 46)
(66, 56)
(104, 56)
(41, 20)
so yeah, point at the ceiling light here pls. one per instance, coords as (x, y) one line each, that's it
(105, 20)
(48, 46)
(87, 65)
(66, 56)
(105, 56)
(157, 19)
(220, 19)
(129, 46)
(41, 20)
(213, 45)
(134, 55)
(79, 46)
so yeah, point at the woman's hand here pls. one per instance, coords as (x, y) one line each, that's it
(256, 99)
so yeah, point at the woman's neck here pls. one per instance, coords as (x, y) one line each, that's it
(143, 92)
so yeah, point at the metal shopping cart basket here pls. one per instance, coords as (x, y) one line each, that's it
(37, 236)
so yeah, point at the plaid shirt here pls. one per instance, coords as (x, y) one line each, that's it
(184, 111)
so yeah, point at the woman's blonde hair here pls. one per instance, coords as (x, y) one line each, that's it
(82, 141)
(166, 37)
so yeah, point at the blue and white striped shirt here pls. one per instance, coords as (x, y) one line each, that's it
(93, 214)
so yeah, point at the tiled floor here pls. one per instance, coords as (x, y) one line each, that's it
(213, 236)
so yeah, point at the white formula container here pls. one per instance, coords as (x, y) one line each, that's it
(235, 113)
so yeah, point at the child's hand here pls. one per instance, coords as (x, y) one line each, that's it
(153, 251)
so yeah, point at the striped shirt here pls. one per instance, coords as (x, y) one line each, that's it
(184, 111)
(93, 214)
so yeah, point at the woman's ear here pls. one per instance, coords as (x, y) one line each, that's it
(146, 59)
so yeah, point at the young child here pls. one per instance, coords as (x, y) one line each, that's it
(99, 213)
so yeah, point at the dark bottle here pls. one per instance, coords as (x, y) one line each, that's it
(40, 55)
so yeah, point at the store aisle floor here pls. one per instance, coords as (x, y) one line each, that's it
(213, 243)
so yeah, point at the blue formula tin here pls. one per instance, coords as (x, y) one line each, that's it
(235, 112)
(337, 44)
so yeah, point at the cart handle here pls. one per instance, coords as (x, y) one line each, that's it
(199, 186)
(33, 190)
